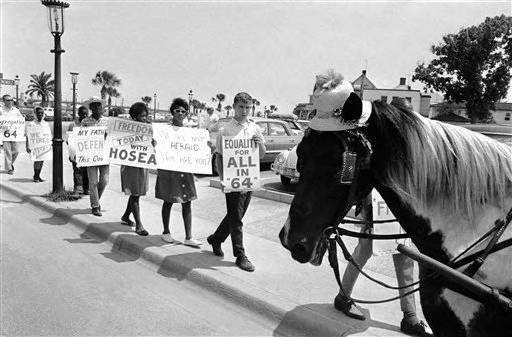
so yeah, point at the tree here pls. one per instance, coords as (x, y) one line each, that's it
(116, 111)
(107, 82)
(147, 100)
(472, 66)
(228, 109)
(220, 99)
(255, 103)
(42, 86)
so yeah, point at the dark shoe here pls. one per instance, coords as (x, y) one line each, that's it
(40, 180)
(418, 329)
(127, 222)
(215, 247)
(96, 211)
(11, 172)
(86, 192)
(348, 307)
(243, 263)
(141, 231)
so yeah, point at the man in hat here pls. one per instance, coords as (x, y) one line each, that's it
(98, 175)
(10, 147)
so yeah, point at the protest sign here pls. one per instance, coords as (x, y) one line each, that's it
(39, 141)
(12, 129)
(90, 146)
(182, 149)
(130, 143)
(71, 144)
(241, 164)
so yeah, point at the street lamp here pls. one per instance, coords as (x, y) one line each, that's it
(154, 106)
(17, 83)
(74, 80)
(56, 26)
(190, 96)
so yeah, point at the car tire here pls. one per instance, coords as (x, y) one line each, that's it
(285, 180)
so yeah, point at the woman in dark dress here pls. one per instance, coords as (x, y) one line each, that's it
(177, 187)
(134, 180)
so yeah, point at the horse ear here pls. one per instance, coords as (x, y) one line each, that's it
(353, 108)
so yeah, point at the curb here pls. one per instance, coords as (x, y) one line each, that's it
(302, 321)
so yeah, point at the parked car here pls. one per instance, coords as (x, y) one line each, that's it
(285, 163)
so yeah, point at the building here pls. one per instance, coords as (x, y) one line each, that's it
(419, 101)
(502, 114)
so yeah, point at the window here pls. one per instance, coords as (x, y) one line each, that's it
(507, 116)
(277, 130)
(409, 99)
(263, 127)
(395, 98)
(384, 99)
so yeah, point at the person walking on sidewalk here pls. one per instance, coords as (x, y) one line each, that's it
(98, 175)
(236, 202)
(404, 267)
(10, 147)
(80, 180)
(134, 180)
(177, 187)
(38, 122)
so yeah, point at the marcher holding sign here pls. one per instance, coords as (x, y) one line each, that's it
(238, 197)
(80, 180)
(92, 152)
(12, 131)
(134, 179)
(39, 142)
(173, 186)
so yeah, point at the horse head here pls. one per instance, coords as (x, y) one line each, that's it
(334, 169)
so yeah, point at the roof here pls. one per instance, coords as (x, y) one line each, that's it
(367, 83)
(451, 117)
(503, 106)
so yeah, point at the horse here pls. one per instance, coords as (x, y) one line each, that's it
(446, 186)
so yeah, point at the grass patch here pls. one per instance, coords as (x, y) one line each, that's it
(68, 195)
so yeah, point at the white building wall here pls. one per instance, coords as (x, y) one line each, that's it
(502, 117)
(376, 94)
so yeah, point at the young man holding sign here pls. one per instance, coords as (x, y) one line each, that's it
(237, 202)
(39, 142)
(10, 136)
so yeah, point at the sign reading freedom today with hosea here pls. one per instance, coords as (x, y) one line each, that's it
(12, 129)
(182, 149)
(90, 146)
(130, 143)
(39, 141)
(241, 164)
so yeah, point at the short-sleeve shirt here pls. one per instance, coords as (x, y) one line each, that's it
(235, 128)
(13, 112)
(91, 121)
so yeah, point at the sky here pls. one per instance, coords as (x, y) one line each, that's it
(270, 49)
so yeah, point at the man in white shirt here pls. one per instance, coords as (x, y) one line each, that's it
(10, 147)
(236, 202)
(212, 120)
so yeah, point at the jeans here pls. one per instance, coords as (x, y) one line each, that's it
(80, 178)
(10, 155)
(98, 180)
(236, 204)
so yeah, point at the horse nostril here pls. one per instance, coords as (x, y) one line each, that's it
(299, 253)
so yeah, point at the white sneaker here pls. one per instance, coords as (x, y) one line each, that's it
(168, 238)
(192, 243)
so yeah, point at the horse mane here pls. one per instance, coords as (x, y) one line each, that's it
(434, 163)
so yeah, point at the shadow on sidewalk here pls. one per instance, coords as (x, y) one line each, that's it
(180, 265)
(22, 180)
(61, 216)
(291, 322)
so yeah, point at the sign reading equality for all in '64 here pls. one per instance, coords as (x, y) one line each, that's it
(90, 146)
(241, 164)
(130, 143)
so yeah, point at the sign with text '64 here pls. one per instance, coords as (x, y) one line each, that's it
(12, 129)
(241, 164)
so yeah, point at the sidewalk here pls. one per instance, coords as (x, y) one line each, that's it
(297, 297)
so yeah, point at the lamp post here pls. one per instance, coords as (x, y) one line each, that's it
(56, 26)
(74, 80)
(190, 96)
(17, 83)
(154, 106)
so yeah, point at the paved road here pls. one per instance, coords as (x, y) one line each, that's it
(58, 281)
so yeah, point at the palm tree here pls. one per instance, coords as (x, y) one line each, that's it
(220, 99)
(228, 109)
(147, 100)
(255, 103)
(107, 82)
(43, 86)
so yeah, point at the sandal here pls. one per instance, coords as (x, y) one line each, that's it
(127, 222)
(141, 231)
